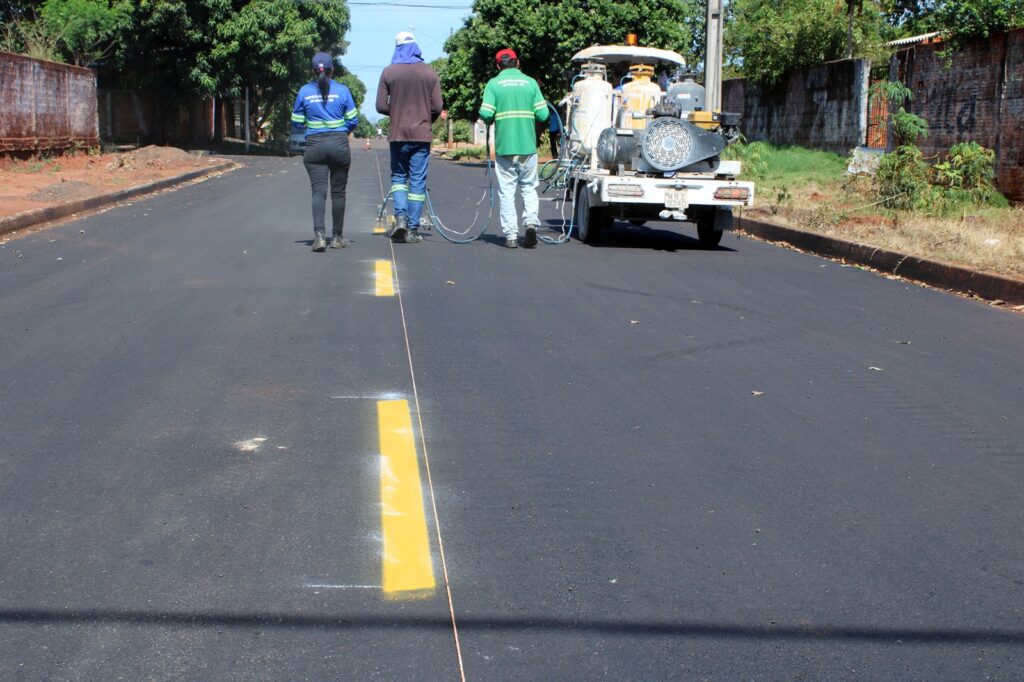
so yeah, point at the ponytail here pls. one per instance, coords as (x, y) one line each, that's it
(324, 83)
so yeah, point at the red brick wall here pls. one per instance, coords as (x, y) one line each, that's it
(978, 96)
(44, 105)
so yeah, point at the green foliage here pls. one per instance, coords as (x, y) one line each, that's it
(462, 131)
(468, 153)
(30, 38)
(546, 33)
(197, 47)
(354, 85)
(753, 156)
(967, 176)
(365, 129)
(902, 179)
(87, 29)
(384, 123)
(906, 127)
(965, 20)
(773, 38)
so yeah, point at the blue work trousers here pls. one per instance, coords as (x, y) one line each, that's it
(409, 179)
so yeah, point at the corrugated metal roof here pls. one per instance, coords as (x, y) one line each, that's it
(903, 42)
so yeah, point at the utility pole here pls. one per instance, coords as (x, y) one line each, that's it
(713, 56)
(247, 119)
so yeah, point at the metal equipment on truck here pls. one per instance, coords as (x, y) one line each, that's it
(638, 152)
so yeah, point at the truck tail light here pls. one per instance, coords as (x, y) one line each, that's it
(732, 193)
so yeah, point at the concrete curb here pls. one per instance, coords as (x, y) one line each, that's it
(935, 273)
(20, 221)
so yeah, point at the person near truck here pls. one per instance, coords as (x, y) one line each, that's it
(409, 92)
(513, 103)
(326, 110)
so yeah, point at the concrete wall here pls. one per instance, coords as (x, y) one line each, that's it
(978, 96)
(821, 107)
(45, 105)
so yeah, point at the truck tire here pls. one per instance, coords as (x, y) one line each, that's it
(707, 235)
(590, 220)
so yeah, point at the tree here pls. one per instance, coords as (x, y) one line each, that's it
(365, 129)
(87, 30)
(353, 83)
(546, 33)
(384, 123)
(773, 38)
(965, 20)
(184, 48)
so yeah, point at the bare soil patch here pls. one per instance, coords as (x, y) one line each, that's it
(31, 184)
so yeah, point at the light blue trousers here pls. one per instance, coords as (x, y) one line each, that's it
(517, 171)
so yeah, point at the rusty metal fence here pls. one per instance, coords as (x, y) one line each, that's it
(45, 106)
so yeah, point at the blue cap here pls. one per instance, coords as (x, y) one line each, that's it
(323, 62)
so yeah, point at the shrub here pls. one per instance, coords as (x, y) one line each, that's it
(902, 179)
(753, 156)
(467, 153)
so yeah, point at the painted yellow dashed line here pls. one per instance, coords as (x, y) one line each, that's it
(408, 568)
(385, 278)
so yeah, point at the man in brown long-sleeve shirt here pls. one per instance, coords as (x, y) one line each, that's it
(410, 93)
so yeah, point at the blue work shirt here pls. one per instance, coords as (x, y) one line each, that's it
(337, 114)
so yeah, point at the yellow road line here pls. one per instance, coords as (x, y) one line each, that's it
(384, 278)
(407, 563)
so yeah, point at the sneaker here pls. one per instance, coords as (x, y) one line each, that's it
(401, 228)
(319, 245)
(413, 237)
(512, 242)
(530, 239)
(337, 242)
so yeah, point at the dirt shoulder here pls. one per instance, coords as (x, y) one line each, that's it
(27, 185)
(989, 241)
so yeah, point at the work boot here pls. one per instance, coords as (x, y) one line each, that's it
(337, 242)
(319, 245)
(401, 228)
(413, 237)
(512, 242)
(530, 239)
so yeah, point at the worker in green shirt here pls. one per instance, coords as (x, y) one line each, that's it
(512, 101)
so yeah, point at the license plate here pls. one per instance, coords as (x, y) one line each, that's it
(675, 198)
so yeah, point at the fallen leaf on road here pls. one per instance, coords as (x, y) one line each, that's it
(903, 343)
(634, 321)
(757, 394)
(449, 282)
(876, 369)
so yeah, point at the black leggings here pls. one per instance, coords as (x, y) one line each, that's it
(327, 157)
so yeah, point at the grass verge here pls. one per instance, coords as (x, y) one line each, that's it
(811, 190)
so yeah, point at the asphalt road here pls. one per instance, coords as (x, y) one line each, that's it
(634, 460)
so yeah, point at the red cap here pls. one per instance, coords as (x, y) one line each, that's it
(507, 52)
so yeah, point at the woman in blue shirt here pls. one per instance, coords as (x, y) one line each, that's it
(327, 111)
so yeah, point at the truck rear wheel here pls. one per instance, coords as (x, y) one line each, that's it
(590, 220)
(707, 235)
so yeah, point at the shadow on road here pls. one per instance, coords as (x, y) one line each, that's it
(694, 629)
(623, 236)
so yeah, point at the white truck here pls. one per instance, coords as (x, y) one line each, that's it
(638, 152)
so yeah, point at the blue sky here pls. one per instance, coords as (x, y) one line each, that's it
(372, 37)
